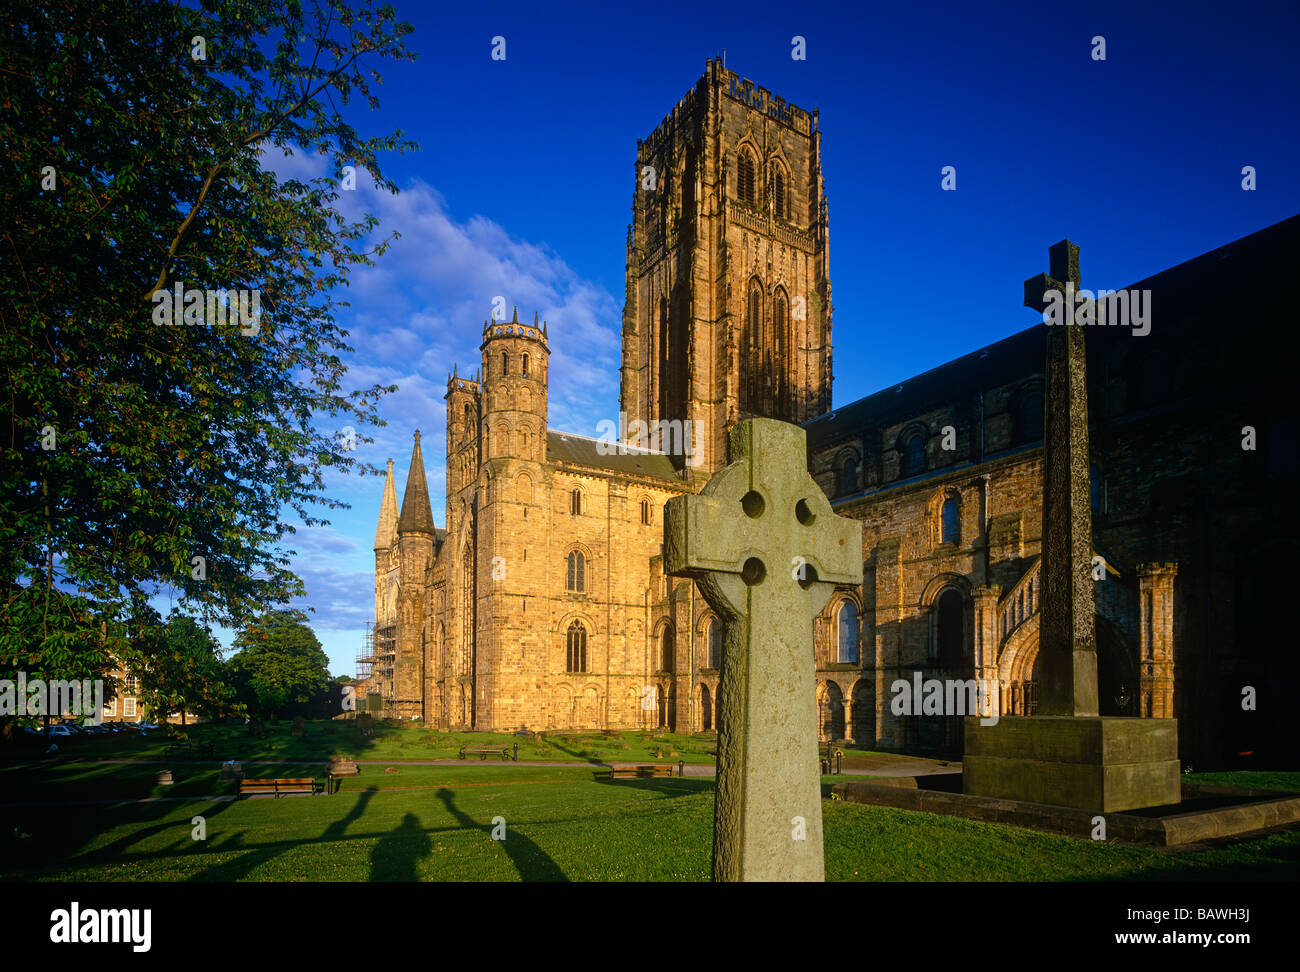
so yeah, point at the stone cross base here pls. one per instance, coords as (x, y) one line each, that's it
(1100, 763)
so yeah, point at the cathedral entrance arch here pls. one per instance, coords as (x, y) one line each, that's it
(1117, 675)
(833, 712)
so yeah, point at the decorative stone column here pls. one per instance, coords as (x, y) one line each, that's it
(1156, 640)
(888, 574)
(986, 642)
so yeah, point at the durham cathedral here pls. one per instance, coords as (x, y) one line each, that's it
(542, 603)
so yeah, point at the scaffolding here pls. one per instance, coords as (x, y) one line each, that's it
(366, 656)
(377, 662)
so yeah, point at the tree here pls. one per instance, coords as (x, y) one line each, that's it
(139, 456)
(179, 668)
(280, 668)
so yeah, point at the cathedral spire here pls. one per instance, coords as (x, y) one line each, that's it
(387, 531)
(417, 517)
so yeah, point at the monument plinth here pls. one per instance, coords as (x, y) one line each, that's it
(1069, 755)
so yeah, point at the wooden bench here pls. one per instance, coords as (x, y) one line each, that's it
(646, 772)
(483, 752)
(276, 787)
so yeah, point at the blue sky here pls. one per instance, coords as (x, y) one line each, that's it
(523, 187)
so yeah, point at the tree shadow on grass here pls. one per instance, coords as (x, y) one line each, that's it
(63, 836)
(395, 855)
(673, 786)
(532, 863)
(243, 865)
(336, 830)
(594, 760)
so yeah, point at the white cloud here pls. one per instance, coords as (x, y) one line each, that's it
(413, 315)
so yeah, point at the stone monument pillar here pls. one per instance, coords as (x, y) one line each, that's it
(1068, 755)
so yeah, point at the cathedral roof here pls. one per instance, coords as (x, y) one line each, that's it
(387, 532)
(582, 451)
(988, 367)
(417, 516)
(1197, 294)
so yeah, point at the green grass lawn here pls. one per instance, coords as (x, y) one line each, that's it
(391, 741)
(432, 823)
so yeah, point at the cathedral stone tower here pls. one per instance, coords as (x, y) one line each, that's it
(510, 644)
(415, 546)
(727, 310)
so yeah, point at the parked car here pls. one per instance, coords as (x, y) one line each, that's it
(63, 732)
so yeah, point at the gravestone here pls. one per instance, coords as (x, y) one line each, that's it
(766, 550)
(1067, 754)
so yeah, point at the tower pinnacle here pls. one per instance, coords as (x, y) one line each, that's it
(417, 517)
(386, 534)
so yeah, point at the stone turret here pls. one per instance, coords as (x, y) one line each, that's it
(515, 370)
(463, 453)
(415, 545)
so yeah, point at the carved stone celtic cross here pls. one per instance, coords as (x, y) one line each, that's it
(766, 550)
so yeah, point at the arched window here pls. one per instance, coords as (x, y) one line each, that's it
(645, 511)
(849, 476)
(576, 644)
(467, 415)
(505, 367)
(948, 628)
(778, 192)
(715, 644)
(1031, 417)
(914, 455)
(575, 502)
(780, 329)
(847, 642)
(950, 521)
(745, 179)
(576, 576)
(525, 369)
(751, 349)
(667, 655)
